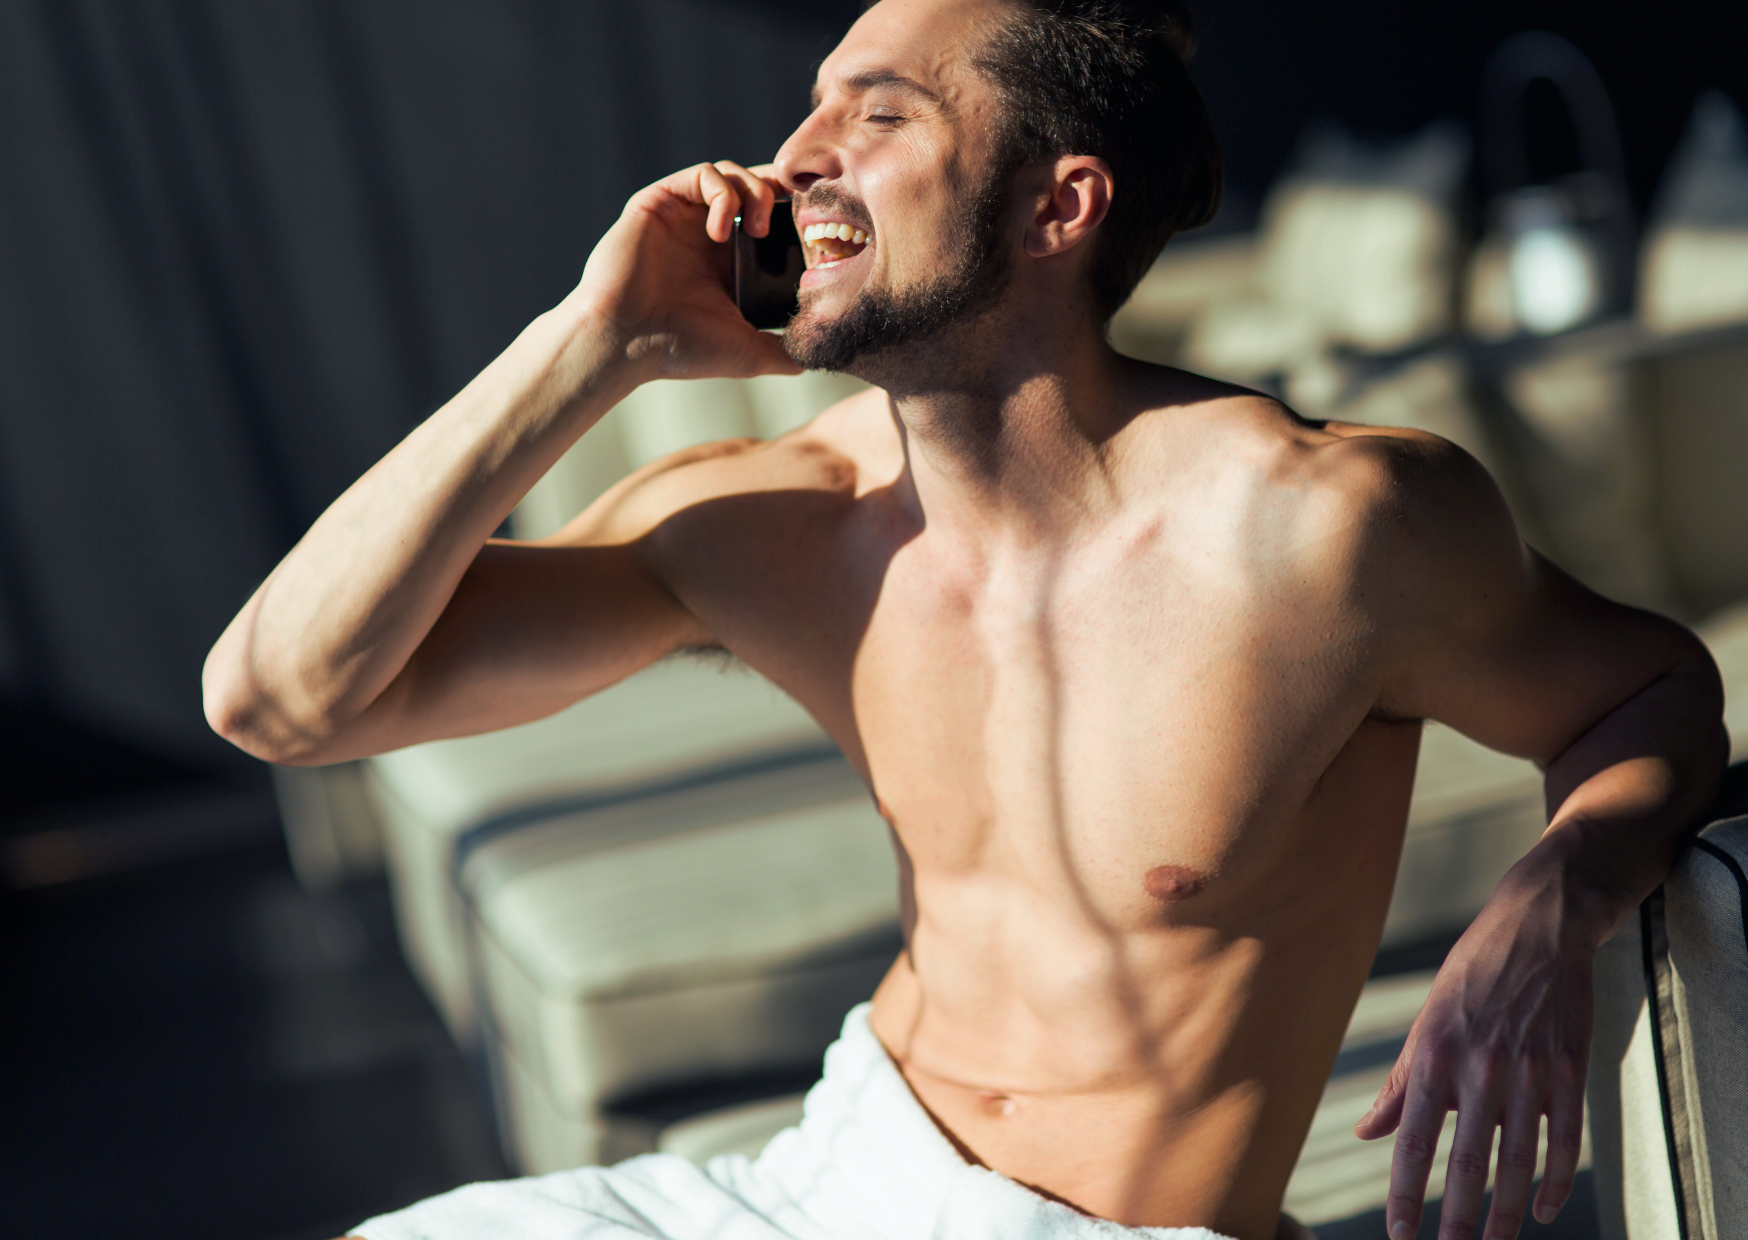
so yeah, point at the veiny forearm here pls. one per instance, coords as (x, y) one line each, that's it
(340, 616)
(1622, 795)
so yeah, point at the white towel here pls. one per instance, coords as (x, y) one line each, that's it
(865, 1163)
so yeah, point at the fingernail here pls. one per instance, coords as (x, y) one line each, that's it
(1400, 1230)
(1545, 1214)
(1368, 1115)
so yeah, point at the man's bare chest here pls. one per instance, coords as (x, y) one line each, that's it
(1078, 714)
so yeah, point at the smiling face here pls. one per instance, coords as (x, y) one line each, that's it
(898, 195)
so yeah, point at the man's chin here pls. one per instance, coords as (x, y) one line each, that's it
(866, 329)
(815, 337)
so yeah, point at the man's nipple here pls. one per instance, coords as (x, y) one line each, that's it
(1170, 883)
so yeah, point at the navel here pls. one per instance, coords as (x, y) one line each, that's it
(998, 1106)
(1171, 883)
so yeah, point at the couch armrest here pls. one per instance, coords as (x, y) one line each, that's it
(1669, 1061)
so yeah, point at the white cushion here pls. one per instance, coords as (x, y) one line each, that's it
(717, 929)
(673, 720)
(576, 480)
(539, 1135)
(1188, 275)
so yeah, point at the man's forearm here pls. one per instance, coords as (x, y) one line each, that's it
(339, 617)
(1623, 794)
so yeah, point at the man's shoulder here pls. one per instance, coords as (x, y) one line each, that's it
(1376, 481)
(1418, 525)
(1339, 505)
(1391, 474)
(1412, 492)
(1255, 441)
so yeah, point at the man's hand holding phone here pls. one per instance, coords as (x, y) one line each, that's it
(662, 277)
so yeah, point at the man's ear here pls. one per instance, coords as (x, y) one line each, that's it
(1077, 197)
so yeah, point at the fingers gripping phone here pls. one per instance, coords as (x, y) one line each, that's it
(767, 270)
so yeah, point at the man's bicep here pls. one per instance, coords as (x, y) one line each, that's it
(1530, 673)
(535, 626)
(1491, 638)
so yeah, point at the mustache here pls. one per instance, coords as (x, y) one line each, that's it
(830, 199)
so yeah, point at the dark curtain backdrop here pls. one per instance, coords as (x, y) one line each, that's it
(244, 247)
(246, 244)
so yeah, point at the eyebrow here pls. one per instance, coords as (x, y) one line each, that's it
(872, 79)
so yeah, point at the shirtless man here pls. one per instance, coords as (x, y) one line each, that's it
(1134, 663)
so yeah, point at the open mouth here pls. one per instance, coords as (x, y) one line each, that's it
(829, 244)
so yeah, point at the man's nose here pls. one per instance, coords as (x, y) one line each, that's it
(807, 156)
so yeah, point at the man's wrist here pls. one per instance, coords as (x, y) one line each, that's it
(600, 350)
(1593, 887)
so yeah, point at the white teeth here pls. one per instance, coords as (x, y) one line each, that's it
(834, 232)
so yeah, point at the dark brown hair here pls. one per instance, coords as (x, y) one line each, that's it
(1107, 78)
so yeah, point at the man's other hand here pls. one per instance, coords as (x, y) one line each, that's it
(1503, 1040)
(663, 275)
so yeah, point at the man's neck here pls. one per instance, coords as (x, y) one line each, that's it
(1007, 429)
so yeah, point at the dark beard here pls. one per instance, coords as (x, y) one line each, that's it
(882, 319)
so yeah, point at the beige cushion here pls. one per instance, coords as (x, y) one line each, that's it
(1591, 471)
(669, 721)
(663, 417)
(1373, 263)
(330, 825)
(1668, 1075)
(1357, 248)
(1726, 636)
(1187, 276)
(1693, 278)
(1699, 404)
(715, 930)
(1694, 270)
(1475, 812)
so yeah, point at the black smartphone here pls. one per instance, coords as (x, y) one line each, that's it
(767, 270)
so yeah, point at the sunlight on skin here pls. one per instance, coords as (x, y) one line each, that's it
(976, 579)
